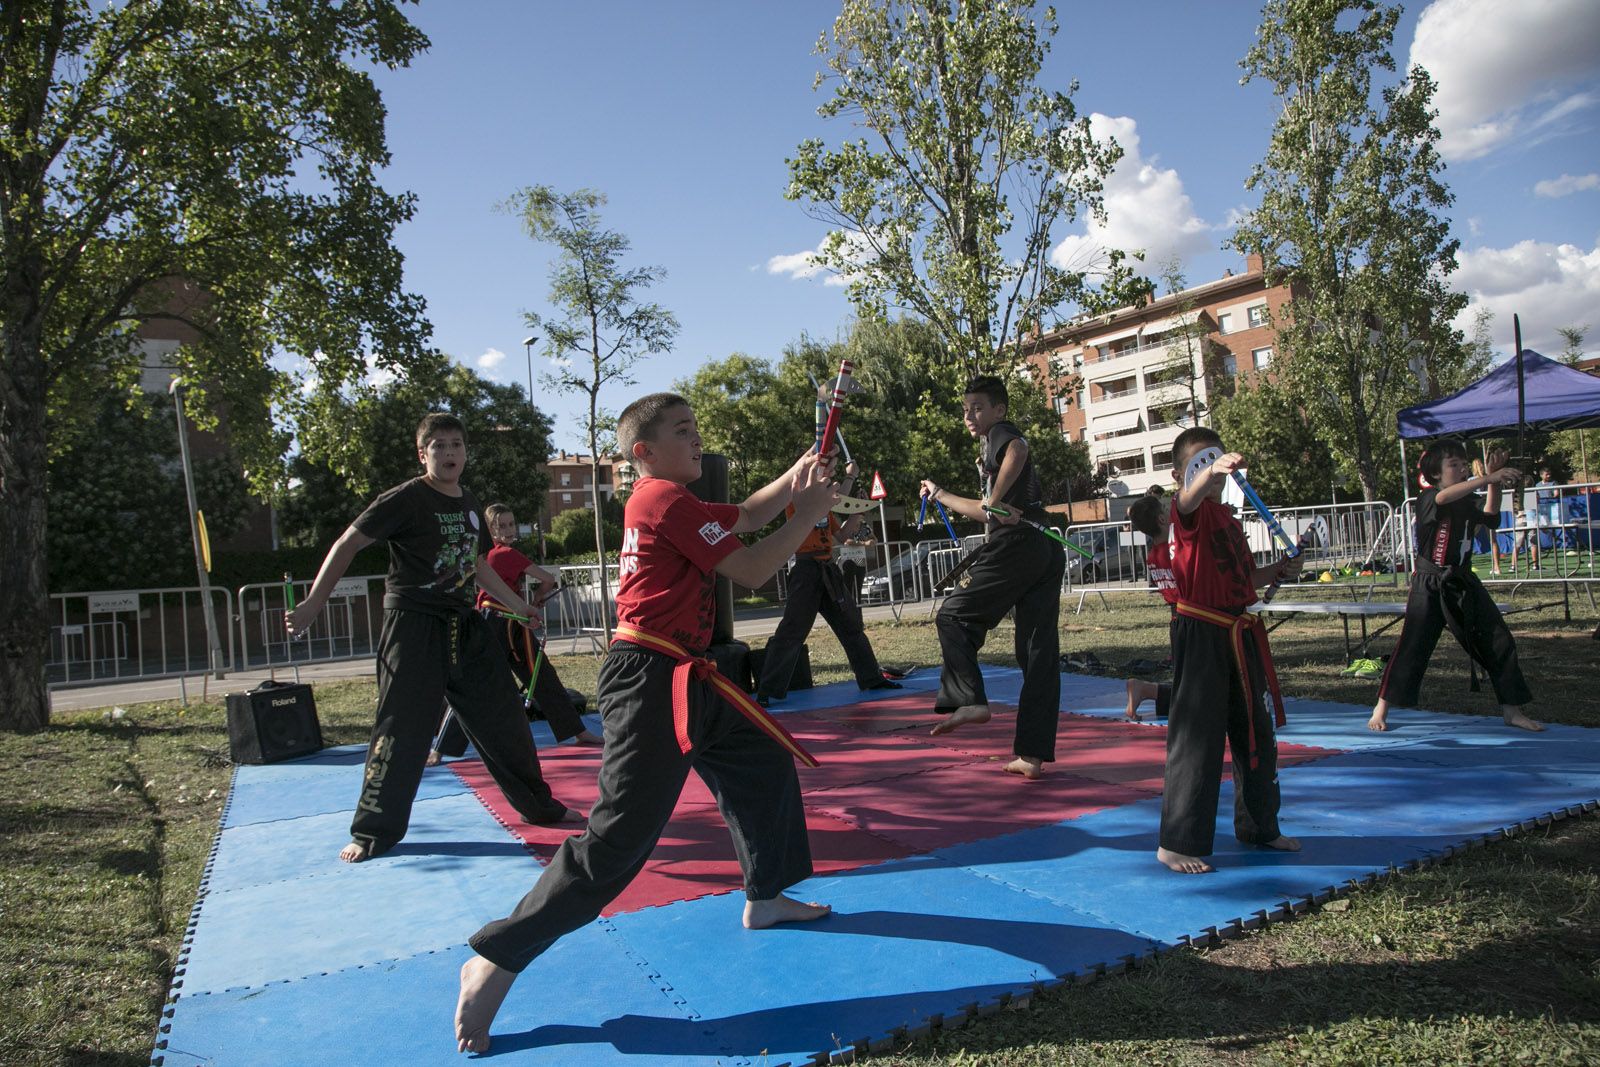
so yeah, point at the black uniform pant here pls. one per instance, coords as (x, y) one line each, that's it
(1456, 600)
(550, 697)
(642, 773)
(1020, 568)
(816, 586)
(1208, 707)
(422, 660)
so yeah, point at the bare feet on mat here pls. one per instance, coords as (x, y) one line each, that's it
(354, 852)
(433, 758)
(1030, 768)
(760, 914)
(1183, 864)
(1514, 717)
(1380, 718)
(962, 716)
(1284, 844)
(483, 989)
(589, 737)
(1133, 701)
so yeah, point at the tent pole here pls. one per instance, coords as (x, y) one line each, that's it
(1516, 354)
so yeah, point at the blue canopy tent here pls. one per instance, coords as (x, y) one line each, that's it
(1553, 397)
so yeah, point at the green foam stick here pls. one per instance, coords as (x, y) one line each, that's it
(1003, 513)
(288, 589)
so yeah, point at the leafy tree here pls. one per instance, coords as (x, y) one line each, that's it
(118, 512)
(572, 531)
(1351, 216)
(744, 414)
(156, 140)
(1290, 465)
(506, 438)
(948, 212)
(604, 320)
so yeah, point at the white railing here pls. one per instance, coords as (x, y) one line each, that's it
(348, 627)
(1561, 520)
(117, 635)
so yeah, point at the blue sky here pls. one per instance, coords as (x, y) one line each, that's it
(683, 113)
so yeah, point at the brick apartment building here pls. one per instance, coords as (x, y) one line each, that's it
(1136, 382)
(570, 478)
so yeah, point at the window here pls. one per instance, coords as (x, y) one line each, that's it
(1230, 366)
(566, 479)
(1161, 459)
(1061, 404)
(1262, 357)
(566, 498)
(1257, 315)
(1225, 322)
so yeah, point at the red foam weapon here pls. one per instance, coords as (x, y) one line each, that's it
(835, 406)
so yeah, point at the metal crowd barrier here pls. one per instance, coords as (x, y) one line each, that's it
(134, 633)
(348, 628)
(1357, 536)
(576, 613)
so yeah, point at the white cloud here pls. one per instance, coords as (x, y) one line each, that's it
(1506, 68)
(1547, 285)
(805, 265)
(491, 359)
(1146, 208)
(1566, 185)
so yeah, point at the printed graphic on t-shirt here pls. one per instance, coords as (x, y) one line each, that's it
(456, 563)
(712, 532)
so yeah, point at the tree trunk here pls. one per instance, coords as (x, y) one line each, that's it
(24, 591)
(599, 519)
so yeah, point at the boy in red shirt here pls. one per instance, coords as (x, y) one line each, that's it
(666, 710)
(1222, 676)
(1152, 516)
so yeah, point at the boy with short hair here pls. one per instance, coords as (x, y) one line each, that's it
(433, 645)
(1016, 567)
(1222, 668)
(1151, 515)
(666, 709)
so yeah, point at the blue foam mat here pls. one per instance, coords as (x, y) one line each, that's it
(294, 956)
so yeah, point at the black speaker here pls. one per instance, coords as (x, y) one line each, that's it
(274, 721)
(799, 679)
(733, 661)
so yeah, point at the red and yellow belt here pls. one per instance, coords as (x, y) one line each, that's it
(702, 669)
(1237, 625)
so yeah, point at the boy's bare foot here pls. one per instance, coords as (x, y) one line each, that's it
(1380, 717)
(1183, 864)
(354, 852)
(1133, 701)
(962, 716)
(1284, 844)
(1514, 717)
(1030, 768)
(587, 737)
(433, 757)
(760, 914)
(483, 989)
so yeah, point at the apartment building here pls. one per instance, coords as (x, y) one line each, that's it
(1135, 378)
(570, 475)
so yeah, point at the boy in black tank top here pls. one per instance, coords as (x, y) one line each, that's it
(1445, 594)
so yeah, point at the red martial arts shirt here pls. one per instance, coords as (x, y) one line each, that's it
(509, 564)
(1158, 564)
(671, 544)
(1211, 560)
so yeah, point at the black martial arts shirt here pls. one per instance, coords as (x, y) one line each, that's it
(434, 543)
(1445, 532)
(1026, 495)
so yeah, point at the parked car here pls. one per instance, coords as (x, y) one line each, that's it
(876, 585)
(1111, 559)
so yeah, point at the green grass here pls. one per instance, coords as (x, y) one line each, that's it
(1490, 958)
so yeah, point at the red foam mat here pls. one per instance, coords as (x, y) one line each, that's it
(880, 793)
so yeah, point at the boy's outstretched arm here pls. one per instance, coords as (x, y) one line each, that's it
(765, 504)
(496, 587)
(333, 567)
(814, 494)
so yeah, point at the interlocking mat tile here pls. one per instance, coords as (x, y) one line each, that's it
(957, 888)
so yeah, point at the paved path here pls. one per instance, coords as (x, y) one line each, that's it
(139, 690)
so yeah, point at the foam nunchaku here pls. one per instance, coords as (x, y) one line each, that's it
(1005, 513)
